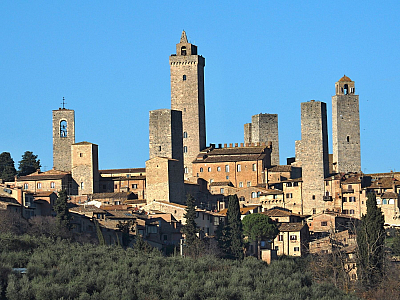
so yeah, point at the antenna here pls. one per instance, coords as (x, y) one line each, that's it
(63, 103)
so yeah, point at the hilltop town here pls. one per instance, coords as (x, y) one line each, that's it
(314, 196)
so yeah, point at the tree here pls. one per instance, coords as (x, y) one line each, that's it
(259, 227)
(61, 209)
(190, 229)
(234, 228)
(396, 243)
(28, 164)
(371, 242)
(7, 168)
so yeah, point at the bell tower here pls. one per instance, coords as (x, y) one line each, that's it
(346, 127)
(187, 96)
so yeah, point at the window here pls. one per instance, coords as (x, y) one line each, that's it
(159, 148)
(345, 211)
(254, 167)
(277, 248)
(185, 135)
(80, 154)
(253, 195)
(52, 185)
(352, 199)
(324, 223)
(134, 186)
(384, 201)
(313, 197)
(239, 168)
(183, 50)
(391, 201)
(240, 184)
(82, 185)
(39, 185)
(201, 170)
(296, 249)
(26, 186)
(63, 129)
(293, 237)
(248, 183)
(221, 191)
(288, 184)
(378, 201)
(295, 184)
(186, 170)
(227, 177)
(280, 238)
(274, 196)
(226, 168)
(314, 211)
(211, 180)
(289, 195)
(352, 211)
(184, 77)
(219, 169)
(209, 169)
(344, 199)
(348, 139)
(184, 149)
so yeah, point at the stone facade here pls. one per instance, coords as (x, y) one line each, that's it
(165, 134)
(187, 96)
(85, 168)
(314, 155)
(63, 138)
(346, 127)
(264, 129)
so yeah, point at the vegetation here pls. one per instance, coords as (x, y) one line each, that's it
(7, 168)
(259, 227)
(234, 228)
(28, 164)
(61, 208)
(64, 270)
(371, 244)
(190, 228)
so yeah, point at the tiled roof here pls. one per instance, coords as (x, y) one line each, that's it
(120, 214)
(48, 175)
(279, 212)
(237, 150)
(389, 195)
(345, 78)
(290, 227)
(132, 170)
(243, 210)
(281, 168)
(86, 209)
(84, 143)
(171, 204)
(221, 183)
(272, 192)
(42, 194)
(230, 158)
(120, 195)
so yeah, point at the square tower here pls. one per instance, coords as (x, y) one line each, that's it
(346, 127)
(314, 155)
(264, 129)
(63, 138)
(165, 134)
(187, 96)
(85, 168)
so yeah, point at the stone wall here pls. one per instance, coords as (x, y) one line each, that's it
(63, 139)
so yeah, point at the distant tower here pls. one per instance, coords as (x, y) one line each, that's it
(63, 138)
(187, 96)
(264, 128)
(346, 127)
(314, 155)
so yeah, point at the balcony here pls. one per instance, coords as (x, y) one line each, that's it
(327, 198)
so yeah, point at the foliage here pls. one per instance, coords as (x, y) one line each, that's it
(141, 245)
(190, 228)
(12, 222)
(100, 235)
(7, 168)
(125, 227)
(61, 209)
(259, 227)
(28, 164)
(370, 242)
(396, 243)
(234, 228)
(64, 270)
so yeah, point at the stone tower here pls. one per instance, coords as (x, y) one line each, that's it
(187, 96)
(263, 129)
(314, 155)
(85, 168)
(63, 138)
(346, 127)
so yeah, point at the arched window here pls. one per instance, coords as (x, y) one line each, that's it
(209, 169)
(184, 149)
(227, 168)
(201, 170)
(82, 185)
(239, 168)
(183, 50)
(346, 89)
(63, 129)
(219, 169)
(185, 135)
(184, 77)
(52, 185)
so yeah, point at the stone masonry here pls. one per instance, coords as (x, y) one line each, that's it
(346, 127)
(63, 138)
(314, 155)
(85, 168)
(187, 96)
(264, 129)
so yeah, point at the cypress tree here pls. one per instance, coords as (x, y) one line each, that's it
(371, 242)
(190, 229)
(7, 168)
(234, 228)
(28, 164)
(61, 208)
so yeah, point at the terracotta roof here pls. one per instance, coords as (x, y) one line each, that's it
(279, 212)
(221, 183)
(131, 170)
(236, 150)
(86, 209)
(42, 194)
(120, 195)
(281, 168)
(172, 204)
(272, 192)
(84, 143)
(345, 78)
(390, 195)
(291, 227)
(120, 214)
(48, 175)
(243, 210)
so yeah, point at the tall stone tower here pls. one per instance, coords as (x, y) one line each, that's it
(63, 138)
(346, 127)
(264, 128)
(187, 96)
(314, 155)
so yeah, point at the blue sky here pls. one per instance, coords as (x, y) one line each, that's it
(109, 59)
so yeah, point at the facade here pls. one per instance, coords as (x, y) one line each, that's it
(264, 129)
(314, 155)
(346, 127)
(292, 239)
(63, 138)
(187, 96)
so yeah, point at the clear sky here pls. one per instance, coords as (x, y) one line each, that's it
(109, 59)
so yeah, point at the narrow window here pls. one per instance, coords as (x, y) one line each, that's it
(39, 185)
(186, 170)
(248, 183)
(63, 128)
(159, 148)
(184, 77)
(221, 191)
(240, 184)
(253, 195)
(239, 168)
(254, 167)
(52, 185)
(201, 170)
(183, 50)
(219, 169)
(80, 154)
(293, 237)
(26, 186)
(227, 168)
(346, 89)
(82, 185)
(280, 238)
(296, 249)
(184, 149)
(185, 135)
(313, 197)
(348, 139)
(209, 169)
(227, 177)
(314, 211)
